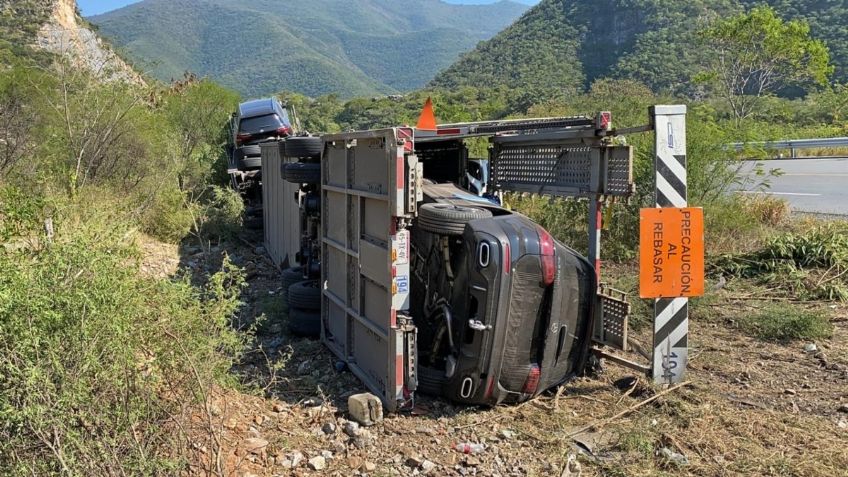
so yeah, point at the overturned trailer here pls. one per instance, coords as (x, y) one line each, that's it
(425, 286)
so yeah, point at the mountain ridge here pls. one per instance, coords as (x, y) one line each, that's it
(349, 47)
(560, 47)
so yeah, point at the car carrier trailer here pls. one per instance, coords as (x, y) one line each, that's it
(424, 286)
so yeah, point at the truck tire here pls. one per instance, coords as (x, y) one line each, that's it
(250, 163)
(305, 323)
(252, 150)
(304, 147)
(302, 172)
(448, 219)
(305, 295)
(290, 277)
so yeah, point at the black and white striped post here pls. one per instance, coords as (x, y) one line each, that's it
(671, 315)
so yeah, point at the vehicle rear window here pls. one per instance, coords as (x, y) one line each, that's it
(257, 124)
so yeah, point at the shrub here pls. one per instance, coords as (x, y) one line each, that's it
(811, 263)
(786, 323)
(224, 213)
(97, 361)
(170, 217)
(768, 210)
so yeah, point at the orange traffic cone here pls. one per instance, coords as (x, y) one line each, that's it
(427, 120)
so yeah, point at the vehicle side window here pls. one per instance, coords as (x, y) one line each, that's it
(284, 116)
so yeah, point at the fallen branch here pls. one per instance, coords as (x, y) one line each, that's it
(599, 424)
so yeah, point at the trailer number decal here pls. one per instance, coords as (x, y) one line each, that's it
(671, 253)
(402, 284)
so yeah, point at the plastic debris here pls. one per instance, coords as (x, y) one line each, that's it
(469, 448)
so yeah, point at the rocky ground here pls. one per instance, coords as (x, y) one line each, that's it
(752, 408)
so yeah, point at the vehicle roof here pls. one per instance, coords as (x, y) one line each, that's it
(257, 107)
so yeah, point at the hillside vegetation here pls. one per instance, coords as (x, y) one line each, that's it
(104, 364)
(347, 47)
(562, 46)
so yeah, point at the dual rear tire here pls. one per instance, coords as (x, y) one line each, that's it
(303, 299)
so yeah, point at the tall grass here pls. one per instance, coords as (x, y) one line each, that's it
(97, 361)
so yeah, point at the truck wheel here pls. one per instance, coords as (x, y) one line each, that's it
(302, 173)
(448, 219)
(252, 150)
(290, 277)
(305, 295)
(304, 147)
(305, 323)
(250, 163)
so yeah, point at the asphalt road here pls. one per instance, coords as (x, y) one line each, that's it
(810, 185)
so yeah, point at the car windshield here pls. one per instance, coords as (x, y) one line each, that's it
(260, 124)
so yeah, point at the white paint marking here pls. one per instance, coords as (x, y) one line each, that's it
(800, 194)
(674, 165)
(672, 309)
(814, 175)
(669, 192)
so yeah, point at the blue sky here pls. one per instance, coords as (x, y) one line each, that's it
(94, 7)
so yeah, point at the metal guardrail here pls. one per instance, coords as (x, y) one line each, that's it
(793, 144)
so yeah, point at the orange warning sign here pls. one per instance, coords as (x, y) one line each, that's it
(671, 249)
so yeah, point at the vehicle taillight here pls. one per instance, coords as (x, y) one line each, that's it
(532, 382)
(242, 137)
(507, 260)
(284, 131)
(604, 121)
(548, 259)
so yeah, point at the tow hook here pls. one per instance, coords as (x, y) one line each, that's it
(477, 325)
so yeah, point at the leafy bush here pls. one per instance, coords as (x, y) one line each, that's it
(96, 360)
(224, 212)
(787, 322)
(169, 217)
(812, 263)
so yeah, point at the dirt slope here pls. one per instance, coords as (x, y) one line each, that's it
(66, 34)
(753, 408)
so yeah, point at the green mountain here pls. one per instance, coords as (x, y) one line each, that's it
(348, 47)
(562, 46)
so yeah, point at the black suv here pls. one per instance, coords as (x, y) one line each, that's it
(255, 122)
(503, 307)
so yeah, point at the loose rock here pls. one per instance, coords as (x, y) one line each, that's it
(365, 408)
(328, 428)
(674, 457)
(843, 408)
(351, 428)
(317, 463)
(255, 445)
(296, 458)
(427, 466)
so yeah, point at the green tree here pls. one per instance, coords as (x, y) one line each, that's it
(757, 53)
(198, 111)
